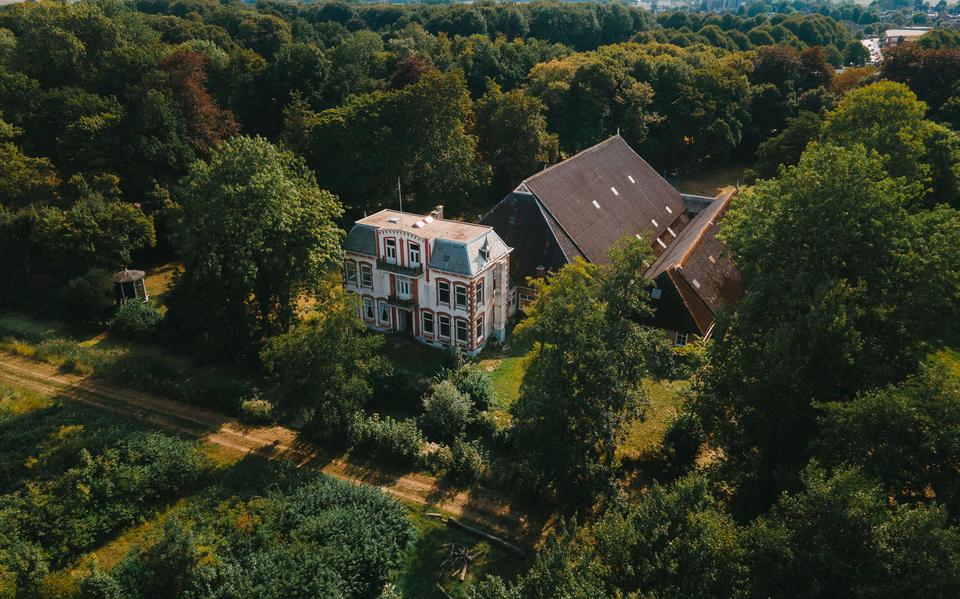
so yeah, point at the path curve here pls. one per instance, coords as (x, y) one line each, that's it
(272, 442)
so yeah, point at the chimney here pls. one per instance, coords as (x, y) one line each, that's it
(437, 212)
(541, 272)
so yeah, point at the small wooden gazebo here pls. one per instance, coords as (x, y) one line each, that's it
(129, 285)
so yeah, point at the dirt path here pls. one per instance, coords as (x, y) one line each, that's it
(271, 442)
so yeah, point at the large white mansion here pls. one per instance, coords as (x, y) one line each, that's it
(444, 282)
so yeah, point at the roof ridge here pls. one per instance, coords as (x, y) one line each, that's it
(724, 204)
(583, 151)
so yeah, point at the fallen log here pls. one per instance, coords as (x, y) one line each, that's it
(485, 535)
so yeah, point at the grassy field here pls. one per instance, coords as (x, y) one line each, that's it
(645, 436)
(235, 473)
(709, 181)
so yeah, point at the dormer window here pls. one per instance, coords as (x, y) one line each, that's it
(391, 245)
(485, 250)
(414, 254)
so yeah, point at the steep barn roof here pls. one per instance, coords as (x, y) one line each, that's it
(700, 266)
(605, 193)
(536, 237)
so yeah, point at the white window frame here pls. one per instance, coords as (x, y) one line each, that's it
(526, 296)
(384, 309)
(480, 292)
(369, 309)
(414, 254)
(681, 339)
(479, 329)
(466, 331)
(440, 285)
(404, 288)
(351, 273)
(366, 275)
(390, 251)
(456, 297)
(443, 320)
(426, 317)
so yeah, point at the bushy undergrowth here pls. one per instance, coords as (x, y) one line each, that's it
(396, 441)
(82, 481)
(136, 320)
(309, 536)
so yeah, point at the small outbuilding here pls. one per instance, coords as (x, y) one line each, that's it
(129, 285)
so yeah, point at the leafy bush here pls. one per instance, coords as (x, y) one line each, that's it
(475, 383)
(87, 298)
(446, 411)
(256, 410)
(397, 441)
(682, 441)
(136, 320)
(468, 466)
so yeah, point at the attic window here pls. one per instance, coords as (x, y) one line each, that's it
(654, 222)
(669, 230)
(393, 219)
(696, 283)
(712, 259)
(662, 244)
(669, 211)
(485, 250)
(596, 205)
(631, 179)
(614, 190)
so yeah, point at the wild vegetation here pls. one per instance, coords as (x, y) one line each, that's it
(808, 450)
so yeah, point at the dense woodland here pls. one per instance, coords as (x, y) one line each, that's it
(817, 451)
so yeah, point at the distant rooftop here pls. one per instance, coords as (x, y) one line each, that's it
(907, 32)
(425, 226)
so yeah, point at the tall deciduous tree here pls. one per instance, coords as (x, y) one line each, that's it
(845, 288)
(256, 233)
(513, 137)
(322, 367)
(583, 380)
(420, 135)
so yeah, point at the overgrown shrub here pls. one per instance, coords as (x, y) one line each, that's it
(136, 320)
(398, 388)
(397, 441)
(469, 464)
(87, 298)
(446, 411)
(682, 441)
(256, 410)
(484, 424)
(475, 383)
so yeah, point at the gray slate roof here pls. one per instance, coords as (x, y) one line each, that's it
(464, 258)
(361, 239)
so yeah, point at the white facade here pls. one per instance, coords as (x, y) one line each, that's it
(443, 282)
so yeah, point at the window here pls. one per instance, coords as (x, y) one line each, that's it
(444, 321)
(480, 328)
(681, 339)
(443, 292)
(480, 292)
(350, 267)
(384, 312)
(391, 244)
(527, 297)
(428, 322)
(368, 308)
(403, 287)
(460, 295)
(414, 254)
(366, 275)
(462, 331)
(656, 293)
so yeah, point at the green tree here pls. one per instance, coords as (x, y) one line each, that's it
(823, 321)
(513, 136)
(322, 367)
(255, 234)
(887, 117)
(582, 385)
(906, 436)
(23, 179)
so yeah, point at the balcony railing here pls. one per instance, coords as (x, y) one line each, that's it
(405, 303)
(400, 270)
